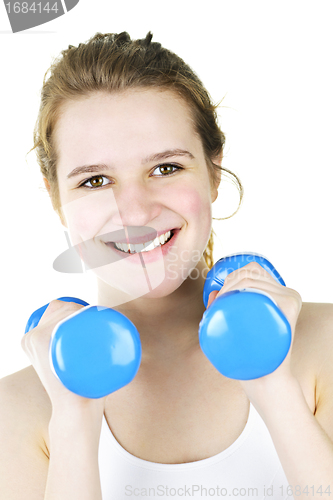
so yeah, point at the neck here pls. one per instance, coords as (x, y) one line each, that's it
(168, 326)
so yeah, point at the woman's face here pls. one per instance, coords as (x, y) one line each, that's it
(148, 176)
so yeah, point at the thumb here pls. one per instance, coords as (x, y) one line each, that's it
(211, 297)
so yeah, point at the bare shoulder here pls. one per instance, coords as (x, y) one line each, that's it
(313, 336)
(25, 405)
(312, 356)
(24, 458)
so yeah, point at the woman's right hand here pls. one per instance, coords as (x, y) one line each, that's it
(35, 344)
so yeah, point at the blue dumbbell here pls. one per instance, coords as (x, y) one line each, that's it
(93, 352)
(243, 333)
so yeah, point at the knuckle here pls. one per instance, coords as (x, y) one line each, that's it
(253, 265)
(52, 306)
(36, 341)
(291, 302)
(23, 342)
(247, 282)
(296, 299)
(57, 305)
(254, 269)
(27, 344)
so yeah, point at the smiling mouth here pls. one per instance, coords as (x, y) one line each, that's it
(130, 248)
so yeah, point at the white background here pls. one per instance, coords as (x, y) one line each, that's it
(272, 63)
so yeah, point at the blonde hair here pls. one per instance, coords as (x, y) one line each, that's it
(113, 62)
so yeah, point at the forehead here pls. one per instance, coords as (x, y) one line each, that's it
(124, 124)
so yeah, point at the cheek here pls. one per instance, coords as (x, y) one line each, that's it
(86, 216)
(193, 203)
(81, 224)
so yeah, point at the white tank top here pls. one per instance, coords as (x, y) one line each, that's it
(249, 468)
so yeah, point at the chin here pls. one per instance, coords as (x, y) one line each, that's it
(174, 280)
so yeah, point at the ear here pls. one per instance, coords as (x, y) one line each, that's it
(47, 185)
(217, 161)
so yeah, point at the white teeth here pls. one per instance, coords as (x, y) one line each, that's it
(150, 245)
(139, 247)
(122, 246)
(144, 247)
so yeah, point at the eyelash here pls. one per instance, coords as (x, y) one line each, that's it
(83, 184)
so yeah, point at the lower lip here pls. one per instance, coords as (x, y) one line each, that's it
(150, 256)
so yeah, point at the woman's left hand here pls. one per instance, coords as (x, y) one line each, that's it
(288, 300)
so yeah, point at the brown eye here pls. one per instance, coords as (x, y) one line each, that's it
(95, 182)
(167, 169)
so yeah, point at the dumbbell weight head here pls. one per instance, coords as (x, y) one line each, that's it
(95, 351)
(243, 333)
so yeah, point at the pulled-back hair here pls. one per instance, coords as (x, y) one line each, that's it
(113, 62)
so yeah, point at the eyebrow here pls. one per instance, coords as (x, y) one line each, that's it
(152, 158)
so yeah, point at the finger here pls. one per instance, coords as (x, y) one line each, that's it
(267, 286)
(252, 271)
(55, 312)
(59, 309)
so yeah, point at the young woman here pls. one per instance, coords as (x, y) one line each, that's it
(127, 137)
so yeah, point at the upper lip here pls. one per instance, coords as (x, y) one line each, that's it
(143, 239)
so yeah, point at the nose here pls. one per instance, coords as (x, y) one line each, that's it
(136, 206)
